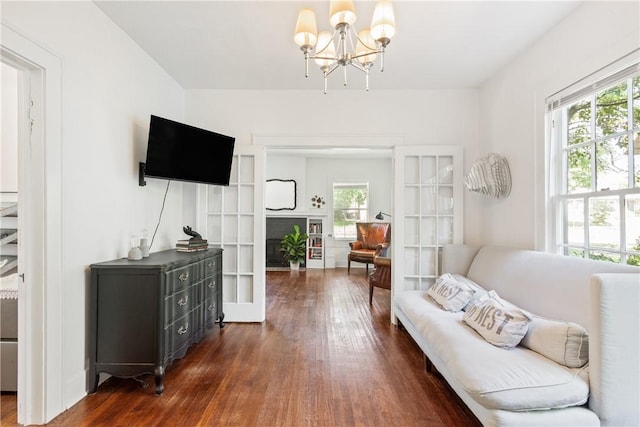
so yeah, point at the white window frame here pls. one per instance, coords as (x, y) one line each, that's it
(622, 70)
(364, 211)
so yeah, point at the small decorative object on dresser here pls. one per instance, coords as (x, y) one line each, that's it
(135, 254)
(195, 243)
(144, 244)
(143, 316)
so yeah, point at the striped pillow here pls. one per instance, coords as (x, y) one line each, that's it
(566, 343)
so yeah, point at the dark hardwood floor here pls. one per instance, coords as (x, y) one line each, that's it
(323, 357)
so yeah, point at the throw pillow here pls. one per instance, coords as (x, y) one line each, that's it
(566, 343)
(478, 290)
(450, 293)
(497, 321)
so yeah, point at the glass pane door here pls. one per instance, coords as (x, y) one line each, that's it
(233, 222)
(428, 202)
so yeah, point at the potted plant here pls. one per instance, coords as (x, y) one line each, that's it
(294, 247)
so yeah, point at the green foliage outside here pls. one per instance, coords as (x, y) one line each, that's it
(635, 259)
(599, 212)
(348, 204)
(611, 117)
(608, 122)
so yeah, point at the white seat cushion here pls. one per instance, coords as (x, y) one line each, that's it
(517, 379)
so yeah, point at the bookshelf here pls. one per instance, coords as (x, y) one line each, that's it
(316, 242)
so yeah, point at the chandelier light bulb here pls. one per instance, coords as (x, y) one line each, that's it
(326, 50)
(383, 24)
(342, 12)
(306, 34)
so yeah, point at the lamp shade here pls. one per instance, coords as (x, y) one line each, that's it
(325, 49)
(306, 33)
(342, 11)
(383, 24)
(366, 44)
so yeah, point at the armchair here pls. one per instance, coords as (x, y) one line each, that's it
(373, 238)
(380, 277)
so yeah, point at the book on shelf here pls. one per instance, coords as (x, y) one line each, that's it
(192, 242)
(199, 245)
(192, 245)
(192, 249)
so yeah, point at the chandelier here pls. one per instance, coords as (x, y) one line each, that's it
(345, 46)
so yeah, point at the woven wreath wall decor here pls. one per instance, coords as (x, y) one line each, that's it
(317, 202)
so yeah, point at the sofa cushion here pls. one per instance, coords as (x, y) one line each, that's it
(500, 323)
(451, 293)
(516, 380)
(563, 342)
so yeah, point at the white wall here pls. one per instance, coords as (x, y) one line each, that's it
(420, 117)
(512, 111)
(109, 89)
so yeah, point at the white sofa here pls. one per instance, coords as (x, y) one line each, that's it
(519, 386)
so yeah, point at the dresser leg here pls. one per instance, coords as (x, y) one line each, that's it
(159, 373)
(221, 321)
(95, 378)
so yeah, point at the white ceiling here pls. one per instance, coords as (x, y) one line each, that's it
(249, 44)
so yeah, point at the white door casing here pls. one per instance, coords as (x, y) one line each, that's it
(41, 388)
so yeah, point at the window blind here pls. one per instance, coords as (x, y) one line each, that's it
(618, 70)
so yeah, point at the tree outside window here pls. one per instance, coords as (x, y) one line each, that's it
(598, 202)
(350, 205)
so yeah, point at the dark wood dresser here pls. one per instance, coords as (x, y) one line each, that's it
(145, 314)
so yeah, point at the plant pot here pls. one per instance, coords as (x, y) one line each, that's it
(294, 265)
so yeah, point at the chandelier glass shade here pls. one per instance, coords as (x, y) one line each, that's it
(345, 46)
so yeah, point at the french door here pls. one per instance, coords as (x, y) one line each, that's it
(427, 215)
(427, 211)
(232, 218)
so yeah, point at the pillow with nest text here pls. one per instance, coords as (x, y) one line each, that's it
(450, 292)
(497, 321)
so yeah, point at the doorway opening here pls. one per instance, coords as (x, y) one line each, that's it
(315, 170)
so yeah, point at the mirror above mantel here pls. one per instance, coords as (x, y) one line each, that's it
(280, 194)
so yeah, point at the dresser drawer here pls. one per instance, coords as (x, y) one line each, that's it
(210, 312)
(211, 266)
(211, 287)
(178, 334)
(179, 304)
(180, 279)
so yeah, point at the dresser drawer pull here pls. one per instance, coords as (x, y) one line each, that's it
(184, 276)
(211, 285)
(183, 301)
(211, 307)
(183, 329)
(210, 264)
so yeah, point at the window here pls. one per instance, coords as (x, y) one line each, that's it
(350, 205)
(595, 136)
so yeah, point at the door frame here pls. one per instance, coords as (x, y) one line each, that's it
(269, 141)
(40, 305)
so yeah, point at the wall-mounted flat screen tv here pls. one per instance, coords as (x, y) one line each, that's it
(182, 152)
